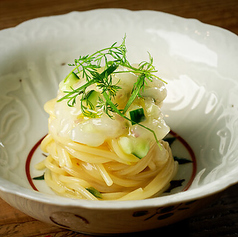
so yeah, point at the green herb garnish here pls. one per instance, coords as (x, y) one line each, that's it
(94, 192)
(88, 67)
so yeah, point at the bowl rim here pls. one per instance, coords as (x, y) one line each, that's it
(185, 196)
(118, 10)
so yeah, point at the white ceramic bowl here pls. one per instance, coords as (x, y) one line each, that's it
(198, 61)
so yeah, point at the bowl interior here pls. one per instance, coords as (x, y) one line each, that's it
(200, 70)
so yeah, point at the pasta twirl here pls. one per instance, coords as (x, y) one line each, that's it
(122, 182)
(106, 130)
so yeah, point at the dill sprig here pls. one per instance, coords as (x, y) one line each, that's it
(112, 57)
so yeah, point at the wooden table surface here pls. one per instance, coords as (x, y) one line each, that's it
(221, 217)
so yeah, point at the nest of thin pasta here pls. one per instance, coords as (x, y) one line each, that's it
(74, 169)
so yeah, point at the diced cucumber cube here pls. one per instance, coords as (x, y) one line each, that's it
(126, 144)
(136, 146)
(68, 82)
(137, 116)
(93, 98)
